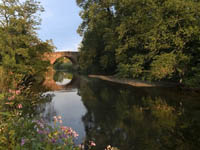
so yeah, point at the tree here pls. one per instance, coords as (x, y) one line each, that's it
(97, 28)
(21, 50)
(148, 39)
(159, 37)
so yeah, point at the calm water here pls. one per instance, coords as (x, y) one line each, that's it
(126, 117)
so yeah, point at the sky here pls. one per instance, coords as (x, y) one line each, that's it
(59, 23)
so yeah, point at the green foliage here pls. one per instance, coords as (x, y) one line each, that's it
(21, 128)
(34, 135)
(97, 50)
(21, 50)
(163, 65)
(64, 64)
(147, 39)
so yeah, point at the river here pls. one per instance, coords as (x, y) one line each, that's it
(126, 117)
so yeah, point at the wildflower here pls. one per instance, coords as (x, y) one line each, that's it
(23, 142)
(63, 128)
(11, 98)
(19, 106)
(76, 134)
(40, 131)
(92, 143)
(17, 92)
(53, 140)
(40, 124)
(11, 91)
(59, 117)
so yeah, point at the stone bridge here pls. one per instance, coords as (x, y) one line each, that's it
(53, 56)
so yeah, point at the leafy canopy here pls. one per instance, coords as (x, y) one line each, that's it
(148, 39)
(21, 50)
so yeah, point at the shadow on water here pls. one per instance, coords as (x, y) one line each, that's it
(127, 117)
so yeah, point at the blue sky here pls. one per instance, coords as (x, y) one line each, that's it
(60, 22)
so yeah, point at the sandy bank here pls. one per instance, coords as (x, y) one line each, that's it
(136, 83)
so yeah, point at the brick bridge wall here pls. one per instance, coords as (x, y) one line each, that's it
(52, 57)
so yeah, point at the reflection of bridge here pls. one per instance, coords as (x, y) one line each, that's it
(52, 57)
(51, 85)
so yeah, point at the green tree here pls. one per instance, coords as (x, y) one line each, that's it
(99, 40)
(159, 38)
(21, 51)
(148, 39)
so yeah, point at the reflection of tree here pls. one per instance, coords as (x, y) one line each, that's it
(132, 118)
(49, 111)
(59, 76)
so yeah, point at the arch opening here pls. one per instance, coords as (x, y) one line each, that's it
(63, 63)
(53, 56)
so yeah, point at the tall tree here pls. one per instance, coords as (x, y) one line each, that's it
(98, 46)
(21, 50)
(159, 38)
(149, 39)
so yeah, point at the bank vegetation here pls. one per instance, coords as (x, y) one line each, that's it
(141, 39)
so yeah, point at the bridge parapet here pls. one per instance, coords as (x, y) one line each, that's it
(53, 56)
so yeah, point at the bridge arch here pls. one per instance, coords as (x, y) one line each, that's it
(53, 56)
(70, 60)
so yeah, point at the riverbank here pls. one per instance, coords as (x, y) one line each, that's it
(136, 83)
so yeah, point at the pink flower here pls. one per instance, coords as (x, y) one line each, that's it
(19, 106)
(92, 143)
(11, 98)
(11, 91)
(58, 119)
(63, 128)
(69, 131)
(76, 135)
(23, 142)
(17, 92)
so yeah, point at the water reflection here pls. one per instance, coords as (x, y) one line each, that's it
(70, 107)
(127, 117)
(140, 118)
(62, 78)
(66, 102)
(60, 81)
